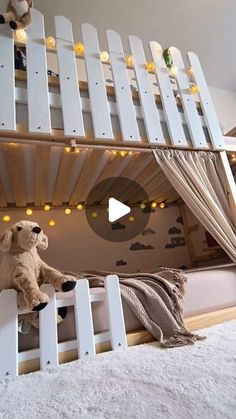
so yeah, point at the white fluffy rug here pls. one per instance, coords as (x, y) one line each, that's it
(144, 382)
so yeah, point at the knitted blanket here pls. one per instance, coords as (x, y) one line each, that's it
(156, 299)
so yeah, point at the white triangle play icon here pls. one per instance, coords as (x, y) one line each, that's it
(117, 210)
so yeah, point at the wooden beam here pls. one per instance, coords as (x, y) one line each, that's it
(41, 171)
(14, 155)
(68, 162)
(85, 175)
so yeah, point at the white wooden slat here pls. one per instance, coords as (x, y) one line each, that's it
(69, 83)
(172, 115)
(147, 99)
(189, 105)
(48, 331)
(37, 79)
(208, 108)
(83, 319)
(127, 116)
(7, 81)
(115, 312)
(8, 334)
(96, 84)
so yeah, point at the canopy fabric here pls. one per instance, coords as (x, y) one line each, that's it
(199, 179)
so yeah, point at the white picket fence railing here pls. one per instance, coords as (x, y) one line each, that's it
(49, 348)
(184, 127)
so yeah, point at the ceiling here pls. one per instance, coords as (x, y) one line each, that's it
(206, 27)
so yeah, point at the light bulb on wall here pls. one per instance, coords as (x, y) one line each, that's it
(47, 207)
(67, 211)
(6, 218)
(50, 42)
(162, 205)
(150, 66)
(29, 211)
(80, 207)
(129, 60)
(154, 204)
(51, 223)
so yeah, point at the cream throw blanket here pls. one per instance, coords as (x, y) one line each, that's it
(156, 299)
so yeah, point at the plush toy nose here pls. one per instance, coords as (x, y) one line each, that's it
(36, 230)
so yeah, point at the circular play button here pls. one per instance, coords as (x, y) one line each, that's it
(116, 210)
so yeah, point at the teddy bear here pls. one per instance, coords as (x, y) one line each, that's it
(22, 268)
(18, 14)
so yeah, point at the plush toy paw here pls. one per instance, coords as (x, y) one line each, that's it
(2, 20)
(13, 25)
(68, 286)
(39, 307)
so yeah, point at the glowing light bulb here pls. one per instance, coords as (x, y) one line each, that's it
(130, 153)
(79, 48)
(153, 204)
(21, 35)
(150, 66)
(47, 207)
(142, 206)
(94, 214)
(67, 211)
(173, 71)
(194, 89)
(51, 223)
(29, 211)
(114, 152)
(131, 219)
(67, 149)
(6, 218)
(80, 207)
(189, 71)
(129, 60)
(104, 56)
(50, 42)
(162, 205)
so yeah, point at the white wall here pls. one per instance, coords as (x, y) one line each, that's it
(225, 104)
(74, 246)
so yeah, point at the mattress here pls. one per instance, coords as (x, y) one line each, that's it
(207, 290)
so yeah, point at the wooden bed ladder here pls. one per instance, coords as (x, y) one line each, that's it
(49, 348)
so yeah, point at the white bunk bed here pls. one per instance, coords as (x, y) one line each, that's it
(37, 116)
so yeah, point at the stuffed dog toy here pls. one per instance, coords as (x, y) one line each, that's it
(23, 269)
(18, 14)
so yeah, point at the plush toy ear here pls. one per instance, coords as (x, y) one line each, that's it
(43, 244)
(6, 240)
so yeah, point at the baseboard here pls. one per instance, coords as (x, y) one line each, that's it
(138, 337)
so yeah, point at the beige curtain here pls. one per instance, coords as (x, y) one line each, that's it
(198, 178)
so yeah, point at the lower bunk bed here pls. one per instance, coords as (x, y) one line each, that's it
(210, 299)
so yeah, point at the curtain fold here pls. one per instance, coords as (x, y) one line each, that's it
(199, 179)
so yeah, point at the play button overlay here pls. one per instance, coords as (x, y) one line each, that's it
(114, 209)
(117, 210)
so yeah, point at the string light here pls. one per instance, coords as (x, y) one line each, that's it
(142, 206)
(94, 214)
(123, 153)
(6, 218)
(129, 60)
(80, 207)
(51, 223)
(79, 48)
(67, 211)
(21, 35)
(29, 211)
(104, 56)
(50, 42)
(173, 71)
(194, 89)
(162, 205)
(47, 207)
(154, 204)
(131, 219)
(150, 66)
